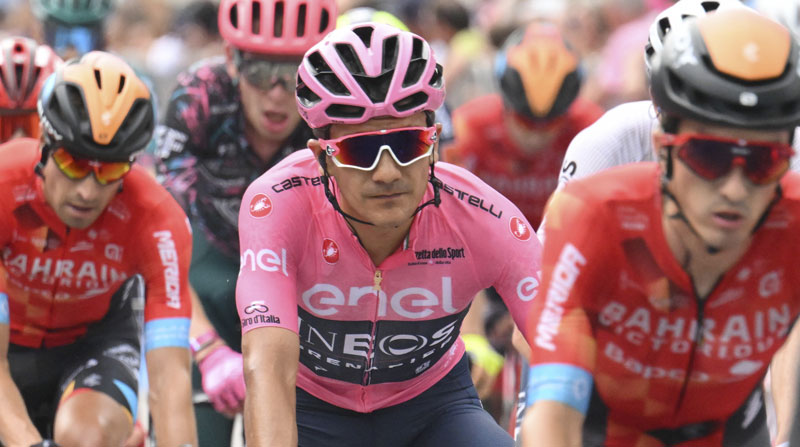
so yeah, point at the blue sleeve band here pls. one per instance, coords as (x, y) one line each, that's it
(4, 314)
(130, 396)
(560, 382)
(166, 333)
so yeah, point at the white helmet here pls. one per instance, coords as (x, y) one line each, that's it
(675, 15)
(784, 12)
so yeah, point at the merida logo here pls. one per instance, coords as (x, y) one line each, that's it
(564, 276)
(169, 259)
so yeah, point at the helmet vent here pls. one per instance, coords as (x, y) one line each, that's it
(436, 78)
(411, 101)
(325, 76)
(233, 16)
(663, 27)
(277, 29)
(365, 34)
(343, 111)
(389, 53)
(348, 56)
(416, 66)
(255, 23)
(301, 20)
(97, 79)
(121, 84)
(324, 20)
(18, 69)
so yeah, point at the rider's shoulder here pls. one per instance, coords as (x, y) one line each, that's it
(19, 155)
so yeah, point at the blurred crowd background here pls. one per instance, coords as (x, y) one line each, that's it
(160, 38)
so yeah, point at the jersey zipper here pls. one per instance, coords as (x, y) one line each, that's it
(377, 278)
(697, 339)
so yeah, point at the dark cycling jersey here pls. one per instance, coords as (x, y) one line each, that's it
(60, 280)
(619, 313)
(206, 160)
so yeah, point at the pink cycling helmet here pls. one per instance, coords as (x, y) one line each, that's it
(24, 65)
(367, 70)
(276, 27)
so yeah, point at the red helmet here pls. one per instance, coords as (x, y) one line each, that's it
(276, 27)
(24, 65)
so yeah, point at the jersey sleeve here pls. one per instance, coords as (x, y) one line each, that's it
(180, 138)
(165, 252)
(563, 348)
(519, 279)
(622, 135)
(272, 230)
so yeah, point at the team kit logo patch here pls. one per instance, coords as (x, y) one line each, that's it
(519, 229)
(330, 251)
(260, 206)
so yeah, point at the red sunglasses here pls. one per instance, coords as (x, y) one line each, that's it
(78, 168)
(712, 157)
(363, 150)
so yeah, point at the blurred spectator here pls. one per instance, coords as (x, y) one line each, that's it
(193, 36)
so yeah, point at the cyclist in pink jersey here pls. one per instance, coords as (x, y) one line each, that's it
(363, 262)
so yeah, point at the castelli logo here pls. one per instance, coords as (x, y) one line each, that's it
(519, 228)
(330, 251)
(260, 206)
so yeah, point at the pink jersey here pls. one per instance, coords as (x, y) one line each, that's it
(375, 336)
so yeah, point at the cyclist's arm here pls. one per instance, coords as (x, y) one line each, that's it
(266, 300)
(271, 357)
(786, 388)
(170, 396)
(165, 251)
(200, 326)
(16, 428)
(552, 424)
(560, 334)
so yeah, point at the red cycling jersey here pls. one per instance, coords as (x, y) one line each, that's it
(484, 146)
(618, 305)
(60, 279)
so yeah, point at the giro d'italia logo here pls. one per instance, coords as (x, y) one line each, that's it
(260, 206)
(519, 228)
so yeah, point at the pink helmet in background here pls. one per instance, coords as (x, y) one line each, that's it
(368, 70)
(276, 27)
(24, 66)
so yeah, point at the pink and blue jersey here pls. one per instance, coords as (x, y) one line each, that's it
(375, 336)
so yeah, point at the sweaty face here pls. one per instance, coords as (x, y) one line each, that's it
(724, 211)
(78, 203)
(388, 195)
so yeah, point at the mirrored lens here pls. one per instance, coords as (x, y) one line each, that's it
(78, 168)
(710, 159)
(406, 145)
(265, 75)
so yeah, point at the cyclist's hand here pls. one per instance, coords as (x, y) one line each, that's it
(223, 379)
(45, 443)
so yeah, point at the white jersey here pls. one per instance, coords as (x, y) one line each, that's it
(622, 135)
